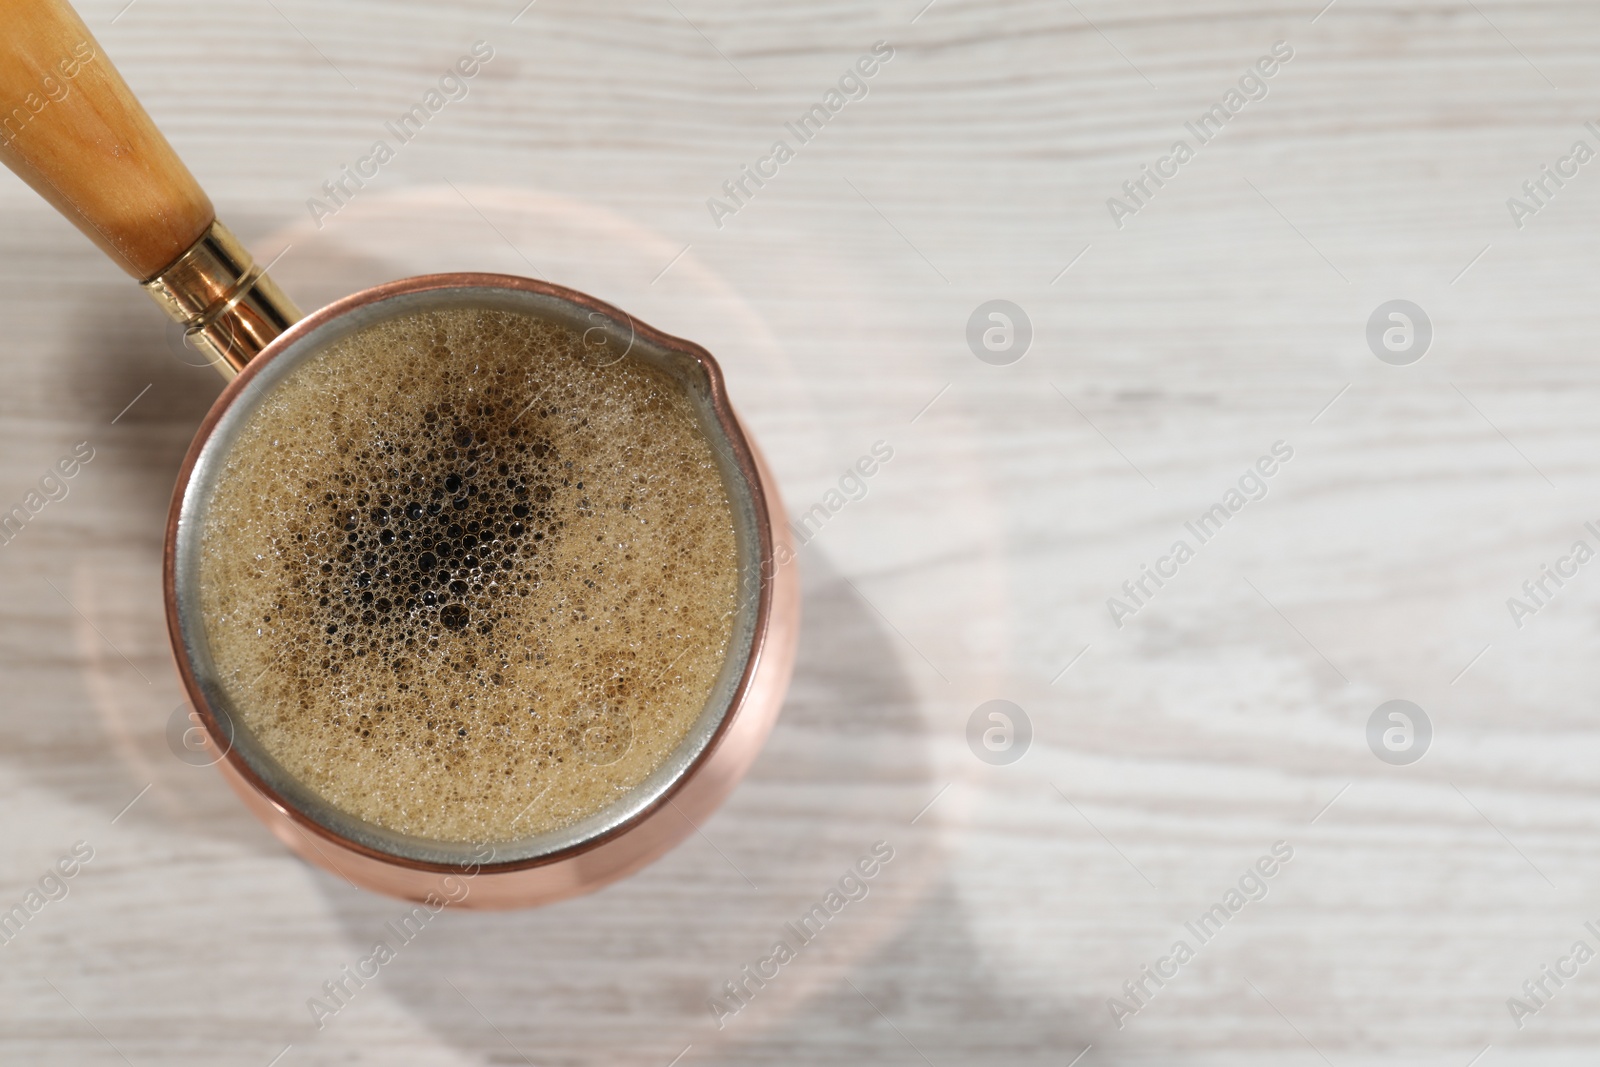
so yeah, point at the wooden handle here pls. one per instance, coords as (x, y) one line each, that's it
(70, 127)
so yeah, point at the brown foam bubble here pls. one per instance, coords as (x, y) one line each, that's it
(463, 583)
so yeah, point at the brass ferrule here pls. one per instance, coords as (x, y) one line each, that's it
(229, 307)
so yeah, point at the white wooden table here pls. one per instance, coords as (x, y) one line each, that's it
(1229, 713)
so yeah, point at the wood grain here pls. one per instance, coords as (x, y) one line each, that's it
(1226, 715)
(73, 130)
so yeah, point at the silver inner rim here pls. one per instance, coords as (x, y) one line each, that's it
(617, 336)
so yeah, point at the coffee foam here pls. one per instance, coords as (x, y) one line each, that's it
(463, 583)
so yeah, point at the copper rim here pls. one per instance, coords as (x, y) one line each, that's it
(745, 460)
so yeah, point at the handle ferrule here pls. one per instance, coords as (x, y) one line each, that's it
(229, 306)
